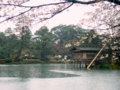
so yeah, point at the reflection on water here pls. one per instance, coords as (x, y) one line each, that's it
(56, 77)
(34, 71)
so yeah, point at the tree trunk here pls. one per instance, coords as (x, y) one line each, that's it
(19, 54)
(20, 50)
(17, 57)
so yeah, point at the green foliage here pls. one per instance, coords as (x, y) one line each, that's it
(115, 66)
(44, 59)
(8, 60)
(66, 33)
(19, 59)
(32, 61)
(2, 61)
(92, 38)
(71, 62)
(23, 40)
(52, 58)
(60, 62)
(56, 58)
(105, 66)
(43, 43)
(53, 61)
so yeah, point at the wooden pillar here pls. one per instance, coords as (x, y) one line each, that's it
(79, 64)
(84, 55)
(74, 63)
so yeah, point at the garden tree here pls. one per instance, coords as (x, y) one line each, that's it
(27, 42)
(104, 16)
(24, 40)
(66, 33)
(107, 20)
(111, 41)
(113, 44)
(7, 44)
(44, 43)
(11, 45)
(8, 31)
(2, 39)
(12, 9)
(2, 44)
(91, 38)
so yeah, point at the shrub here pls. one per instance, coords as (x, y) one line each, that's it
(20, 59)
(71, 62)
(56, 58)
(8, 60)
(105, 66)
(53, 61)
(2, 61)
(31, 61)
(114, 66)
(44, 59)
(60, 61)
(52, 58)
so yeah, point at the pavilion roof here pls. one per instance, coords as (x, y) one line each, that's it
(87, 48)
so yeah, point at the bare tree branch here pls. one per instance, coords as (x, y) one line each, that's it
(15, 15)
(111, 27)
(94, 1)
(81, 2)
(55, 13)
(7, 16)
(32, 7)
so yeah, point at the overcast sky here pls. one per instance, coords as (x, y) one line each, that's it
(73, 16)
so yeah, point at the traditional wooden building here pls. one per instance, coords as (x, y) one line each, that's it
(84, 54)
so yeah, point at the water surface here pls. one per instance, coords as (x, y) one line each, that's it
(56, 77)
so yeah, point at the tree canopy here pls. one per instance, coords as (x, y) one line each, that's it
(104, 16)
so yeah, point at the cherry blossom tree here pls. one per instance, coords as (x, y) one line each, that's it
(10, 10)
(105, 16)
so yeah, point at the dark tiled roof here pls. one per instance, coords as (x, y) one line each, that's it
(89, 48)
(85, 45)
(118, 51)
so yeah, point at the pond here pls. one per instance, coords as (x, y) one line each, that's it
(56, 77)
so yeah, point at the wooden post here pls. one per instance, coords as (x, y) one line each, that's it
(96, 57)
(80, 65)
(74, 63)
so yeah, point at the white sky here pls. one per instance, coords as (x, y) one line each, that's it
(72, 16)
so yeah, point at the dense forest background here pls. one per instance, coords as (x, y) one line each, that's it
(43, 44)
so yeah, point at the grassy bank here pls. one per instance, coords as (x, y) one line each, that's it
(38, 61)
(109, 66)
(32, 61)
